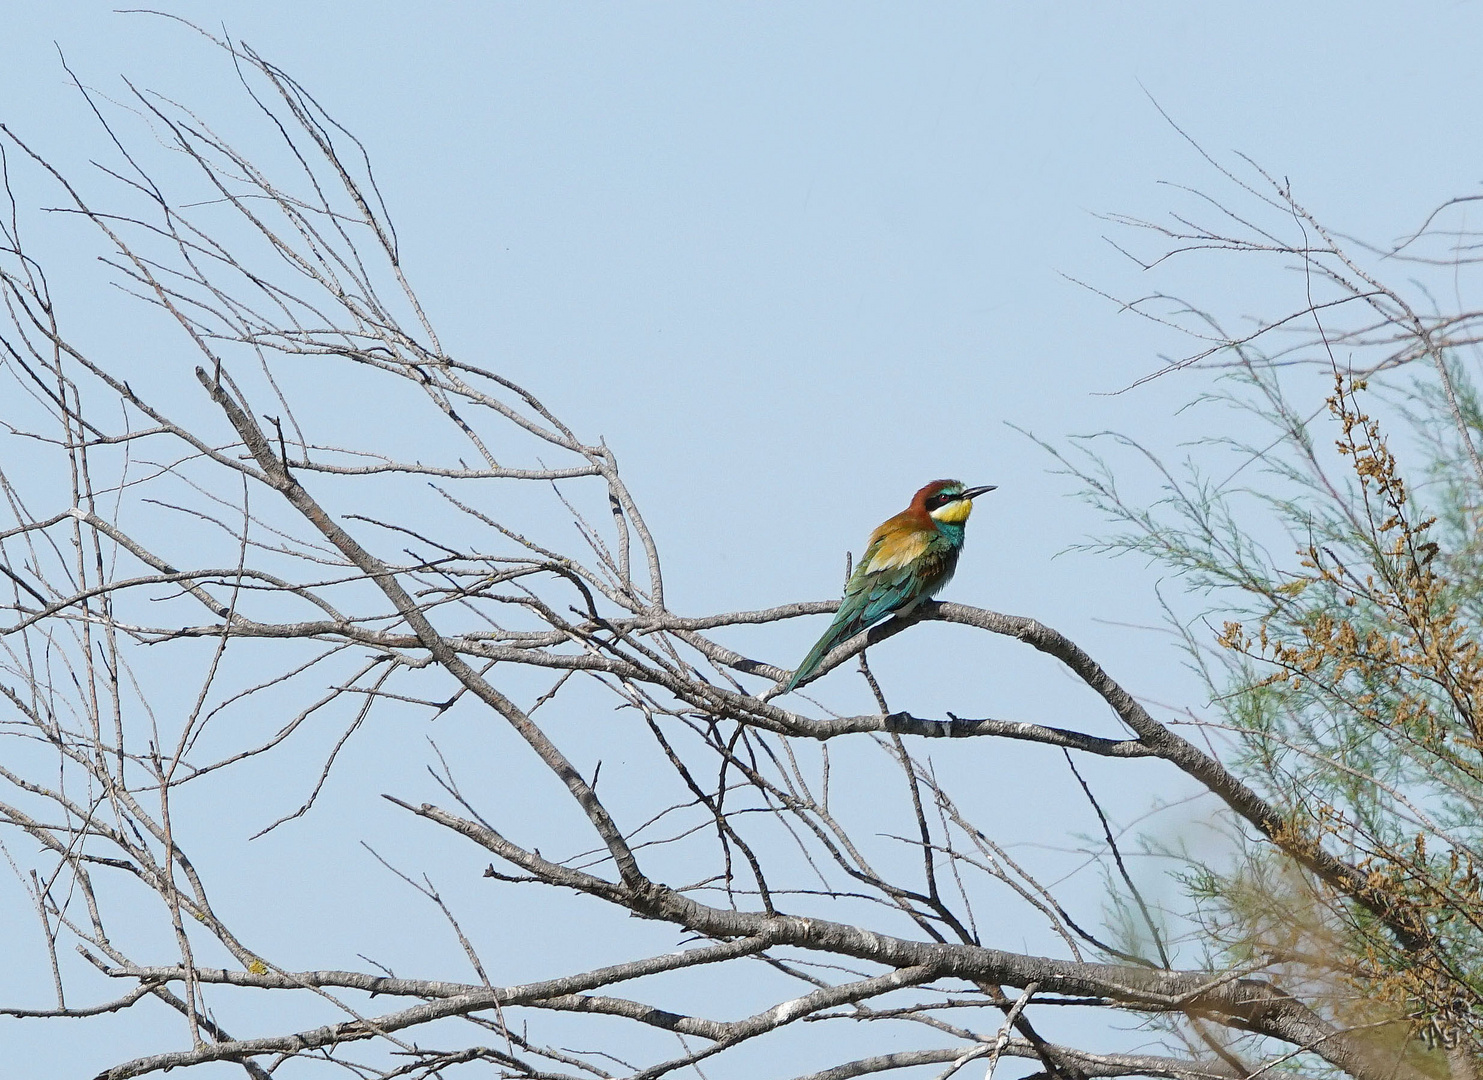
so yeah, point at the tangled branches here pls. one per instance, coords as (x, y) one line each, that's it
(319, 512)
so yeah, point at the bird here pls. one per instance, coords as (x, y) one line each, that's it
(908, 560)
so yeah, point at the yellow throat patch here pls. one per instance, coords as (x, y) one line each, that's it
(955, 512)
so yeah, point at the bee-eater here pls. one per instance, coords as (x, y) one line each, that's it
(907, 560)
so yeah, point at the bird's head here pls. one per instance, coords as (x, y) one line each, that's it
(948, 501)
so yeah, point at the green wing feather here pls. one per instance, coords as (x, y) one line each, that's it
(871, 595)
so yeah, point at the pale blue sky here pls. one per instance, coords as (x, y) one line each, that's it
(794, 260)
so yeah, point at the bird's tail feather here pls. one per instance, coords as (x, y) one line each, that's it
(834, 636)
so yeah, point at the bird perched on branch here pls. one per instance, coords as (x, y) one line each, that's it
(907, 560)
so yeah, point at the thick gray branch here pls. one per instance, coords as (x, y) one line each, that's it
(1248, 1004)
(1089, 1065)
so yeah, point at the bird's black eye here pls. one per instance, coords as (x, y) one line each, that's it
(940, 499)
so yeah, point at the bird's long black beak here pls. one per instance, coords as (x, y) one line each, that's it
(973, 493)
